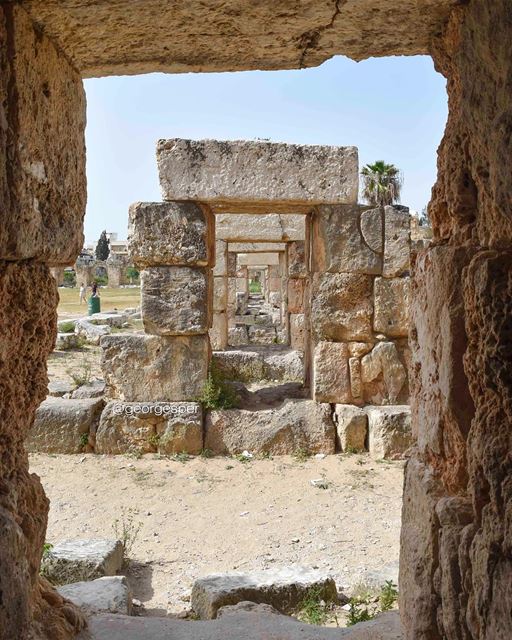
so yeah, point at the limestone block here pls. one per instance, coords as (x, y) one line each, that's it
(283, 588)
(93, 389)
(144, 368)
(175, 300)
(166, 427)
(220, 293)
(219, 331)
(170, 233)
(238, 336)
(296, 295)
(64, 426)
(257, 247)
(42, 150)
(284, 367)
(112, 319)
(110, 594)
(274, 298)
(255, 366)
(230, 262)
(91, 332)
(264, 227)
(342, 306)
(351, 427)
(274, 284)
(384, 361)
(297, 424)
(392, 306)
(297, 331)
(221, 258)
(397, 241)
(254, 171)
(356, 386)
(67, 341)
(81, 560)
(360, 349)
(260, 259)
(347, 239)
(59, 388)
(331, 373)
(262, 335)
(389, 430)
(297, 267)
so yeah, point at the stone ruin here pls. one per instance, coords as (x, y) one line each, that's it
(455, 554)
(338, 278)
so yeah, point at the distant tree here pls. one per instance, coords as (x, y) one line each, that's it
(103, 247)
(382, 183)
(132, 274)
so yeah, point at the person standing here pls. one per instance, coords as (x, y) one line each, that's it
(83, 291)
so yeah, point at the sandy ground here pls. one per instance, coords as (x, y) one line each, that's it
(212, 515)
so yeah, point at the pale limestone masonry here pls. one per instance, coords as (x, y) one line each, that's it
(218, 171)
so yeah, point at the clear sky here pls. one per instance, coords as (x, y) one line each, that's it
(392, 109)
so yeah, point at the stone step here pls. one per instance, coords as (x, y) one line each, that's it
(255, 366)
(257, 623)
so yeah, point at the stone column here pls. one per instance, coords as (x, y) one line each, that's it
(58, 275)
(219, 330)
(42, 191)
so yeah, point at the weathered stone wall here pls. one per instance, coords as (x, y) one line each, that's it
(42, 194)
(359, 304)
(455, 561)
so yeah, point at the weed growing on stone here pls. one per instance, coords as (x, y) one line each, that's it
(217, 394)
(313, 609)
(67, 327)
(47, 552)
(82, 374)
(127, 530)
(154, 440)
(206, 453)
(301, 454)
(388, 595)
(182, 457)
(84, 440)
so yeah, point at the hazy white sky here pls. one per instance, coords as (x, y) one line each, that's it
(392, 109)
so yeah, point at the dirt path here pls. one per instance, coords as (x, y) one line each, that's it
(210, 515)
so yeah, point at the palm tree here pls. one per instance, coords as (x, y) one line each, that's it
(381, 183)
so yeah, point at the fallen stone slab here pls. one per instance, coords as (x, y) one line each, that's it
(237, 625)
(59, 388)
(282, 588)
(65, 341)
(110, 594)
(112, 319)
(214, 170)
(94, 389)
(82, 560)
(64, 425)
(389, 431)
(295, 425)
(90, 331)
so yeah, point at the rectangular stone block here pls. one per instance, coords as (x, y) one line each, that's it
(254, 171)
(342, 306)
(220, 293)
(219, 331)
(262, 227)
(297, 267)
(170, 233)
(397, 242)
(257, 259)
(297, 331)
(257, 247)
(231, 264)
(356, 385)
(296, 295)
(347, 239)
(389, 428)
(42, 146)
(221, 258)
(145, 427)
(145, 368)
(391, 304)
(175, 300)
(331, 373)
(351, 427)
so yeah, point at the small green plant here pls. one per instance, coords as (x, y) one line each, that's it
(358, 612)
(313, 609)
(266, 455)
(388, 595)
(154, 440)
(46, 554)
(217, 394)
(82, 374)
(132, 274)
(206, 453)
(84, 440)
(182, 457)
(301, 454)
(69, 279)
(127, 530)
(254, 286)
(101, 280)
(67, 327)
(243, 458)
